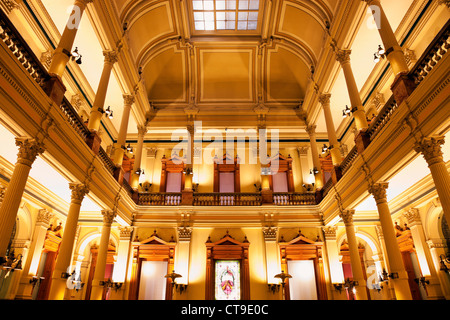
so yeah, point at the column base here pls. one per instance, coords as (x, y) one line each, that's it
(55, 88)
(362, 141)
(118, 174)
(402, 87)
(266, 196)
(93, 141)
(187, 197)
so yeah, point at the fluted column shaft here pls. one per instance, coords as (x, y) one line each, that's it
(336, 156)
(343, 56)
(401, 285)
(393, 50)
(62, 263)
(63, 51)
(29, 149)
(99, 274)
(99, 102)
(121, 140)
(335, 265)
(355, 260)
(311, 130)
(142, 130)
(430, 148)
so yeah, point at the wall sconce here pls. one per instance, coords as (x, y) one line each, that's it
(35, 280)
(140, 171)
(384, 276)
(325, 148)
(178, 287)
(129, 148)
(283, 276)
(379, 54)
(274, 287)
(346, 112)
(145, 186)
(338, 286)
(314, 171)
(308, 187)
(76, 56)
(258, 187)
(109, 112)
(195, 187)
(422, 282)
(110, 284)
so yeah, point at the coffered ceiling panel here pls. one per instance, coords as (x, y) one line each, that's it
(226, 74)
(165, 76)
(287, 76)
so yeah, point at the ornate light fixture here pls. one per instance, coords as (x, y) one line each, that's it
(109, 112)
(178, 287)
(444, 260)
(346, 112)
(314, 171)
(379, 54)
(110, 284)
(12, 262)
(35, 280)
(76, 56)
(273, 287)
(129, 148)
(325, 148)
(384, 276)
(422, 282)
(283, 276)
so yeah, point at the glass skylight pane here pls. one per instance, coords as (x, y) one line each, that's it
(254, 5)
(243, 4)
(252, 25)
(231, 4)
(220, 5)
(220, 25)
(253, 16)
(209, 16)
(242, 16)
(230, 15)
(209, 25)
(220, 16)
(198, 16)
(230, 25)
(208, 5)
(199, 25)
(197, 5)
(242, 25)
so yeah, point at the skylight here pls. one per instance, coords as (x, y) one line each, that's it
(210, 15)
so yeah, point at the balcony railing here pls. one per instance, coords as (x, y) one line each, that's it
(294, 199)
(227, 199)
(159, 199)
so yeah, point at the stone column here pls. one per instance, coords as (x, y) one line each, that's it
(433, 289)
(311, 130)
(54, 87)
(63, 260)
(29, 149)
(402, 86)
(335, 265)
(430, 148)
(120, 266)
(134, 181)
(97, 110)
(182, 257)
(30, 268)
(355, 260)
(336, 156)
(99, 274)
(401, 285)
(119, 148)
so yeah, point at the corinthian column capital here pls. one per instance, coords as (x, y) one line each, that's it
(110, 56)
(128, 99)
(108, 217)
(347, 217)
(378, 190)
(78, 192)
(311, 130)
(431, 149)
(29, 149)
(343, 56)
(324, 99)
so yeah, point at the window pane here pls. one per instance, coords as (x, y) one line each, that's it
(209, 16)
(242, 16)
(220, 25)
(220, 5)
(199, 25)
(252, 25)
(198, 16)
(230, 15)
(231, 25)
(254, 5)
(209, 25)
(253, 16)
(231, 5)
(198, 5)
(208, 5)
(243, 4)
(242, 25)
(220, 16)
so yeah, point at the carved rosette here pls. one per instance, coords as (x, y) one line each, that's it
(347, 217)
(108, 217)
(431, 149)
(378, 190)
(79, 190)
(343, 56)
(29, 149)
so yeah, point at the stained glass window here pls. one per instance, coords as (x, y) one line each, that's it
(228, 280)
